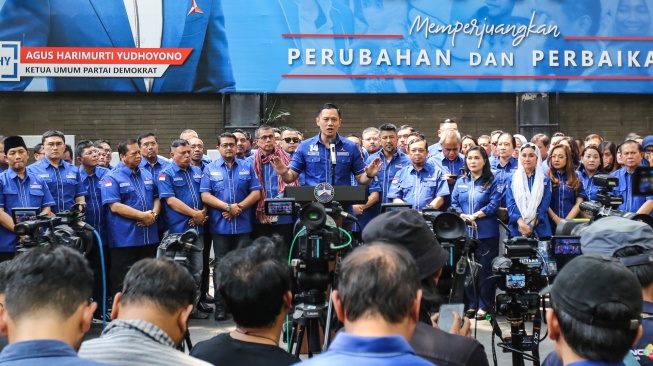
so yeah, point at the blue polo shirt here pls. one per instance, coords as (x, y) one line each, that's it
(43, 352)
(62, 181)
(185, 186)
(448, 167)
(313, 159)
(591, 190)
(349, 349)
(137, 190)
(388, 170)
(95, 213)
(231, 185)
(30, 191)
(501, 174)
(418, 187)
(469, 197)
(543, 227)
(631, 203)
(563, 198)
(270, 182)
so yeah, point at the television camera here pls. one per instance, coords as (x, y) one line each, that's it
(65, 228)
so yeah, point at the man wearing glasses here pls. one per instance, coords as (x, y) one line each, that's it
(290, 141)
(229, 187)
(272, 187)
(106, 147)
(61, 177)
(647, 145)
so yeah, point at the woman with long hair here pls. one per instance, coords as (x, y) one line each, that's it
(475, 194)
(529, 196)
(566, 188)
(591, 164)
(609, 154)
(573, 147)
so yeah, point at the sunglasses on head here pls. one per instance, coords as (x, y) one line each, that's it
(291, 139)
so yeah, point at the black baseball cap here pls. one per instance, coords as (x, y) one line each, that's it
(409, 229)
(590, 281)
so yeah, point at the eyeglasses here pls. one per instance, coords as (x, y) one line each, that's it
(648, 151)
(291, 139)
(265, 137)
(228, 146)
(91, 153)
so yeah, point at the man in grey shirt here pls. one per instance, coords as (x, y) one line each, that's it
(149, 317)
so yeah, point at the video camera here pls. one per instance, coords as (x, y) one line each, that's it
(65, 228)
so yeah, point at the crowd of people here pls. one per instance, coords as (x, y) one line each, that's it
(133, 203)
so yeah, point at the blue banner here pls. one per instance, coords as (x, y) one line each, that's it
(327, 46)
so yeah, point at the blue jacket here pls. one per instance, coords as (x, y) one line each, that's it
(631, 203)
(501, 175)
(101, 23)
(96, 215)
(136, 190)
(543, 228)
(469, 197)
(563, 198)
(591, 190)
(185, 186)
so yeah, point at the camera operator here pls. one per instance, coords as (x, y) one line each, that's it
(420, 184)
(632, 154)
(476, 195)
(408, 229)
(378, 300)
(313, 155)
(179, 187)
(149, 317)
(132, 199)
(18, 188)
(529, 195)
(48, 307)
(632, 243)
(256, 283)
(595, 315)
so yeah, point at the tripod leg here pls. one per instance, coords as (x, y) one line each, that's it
(300, 339)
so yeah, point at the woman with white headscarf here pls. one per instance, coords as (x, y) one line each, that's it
(529, 196)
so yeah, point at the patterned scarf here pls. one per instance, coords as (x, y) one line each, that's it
(259, 160)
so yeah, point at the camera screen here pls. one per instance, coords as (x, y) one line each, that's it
(387, 207)
(567, 246)
(643, 181)
(515, 280)
(279, 208)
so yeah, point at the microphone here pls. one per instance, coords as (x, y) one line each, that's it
(332, 149)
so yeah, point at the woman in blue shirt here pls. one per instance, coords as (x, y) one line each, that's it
(475, 194)
(591, 164)
(529, 196)
(566, 188)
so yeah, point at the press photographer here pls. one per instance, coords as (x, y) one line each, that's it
(20, 189)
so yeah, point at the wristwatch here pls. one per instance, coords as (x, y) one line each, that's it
(228, 207)
(156, 215)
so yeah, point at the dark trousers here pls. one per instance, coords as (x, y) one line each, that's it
(223, 244)
(478, 297)
(285, 230)
(123, 258)
(206, 256)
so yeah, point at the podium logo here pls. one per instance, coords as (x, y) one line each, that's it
(9, 60)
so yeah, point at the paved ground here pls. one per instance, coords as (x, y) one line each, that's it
(205, 329)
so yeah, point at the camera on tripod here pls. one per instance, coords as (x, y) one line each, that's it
(65, 228)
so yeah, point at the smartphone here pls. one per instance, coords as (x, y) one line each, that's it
(445, 321)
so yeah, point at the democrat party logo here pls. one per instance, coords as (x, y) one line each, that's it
(323, 192)
(9, 60)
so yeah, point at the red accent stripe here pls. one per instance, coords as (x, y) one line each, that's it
(307, 35)
(518, 77)
(590, 38)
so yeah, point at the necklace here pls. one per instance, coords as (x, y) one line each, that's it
(246, 332)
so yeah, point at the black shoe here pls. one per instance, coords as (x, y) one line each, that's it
(208, 299)
(198, 315)
(220, 311)
(204, 307)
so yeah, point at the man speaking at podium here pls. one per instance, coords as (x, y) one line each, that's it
(314, 156)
